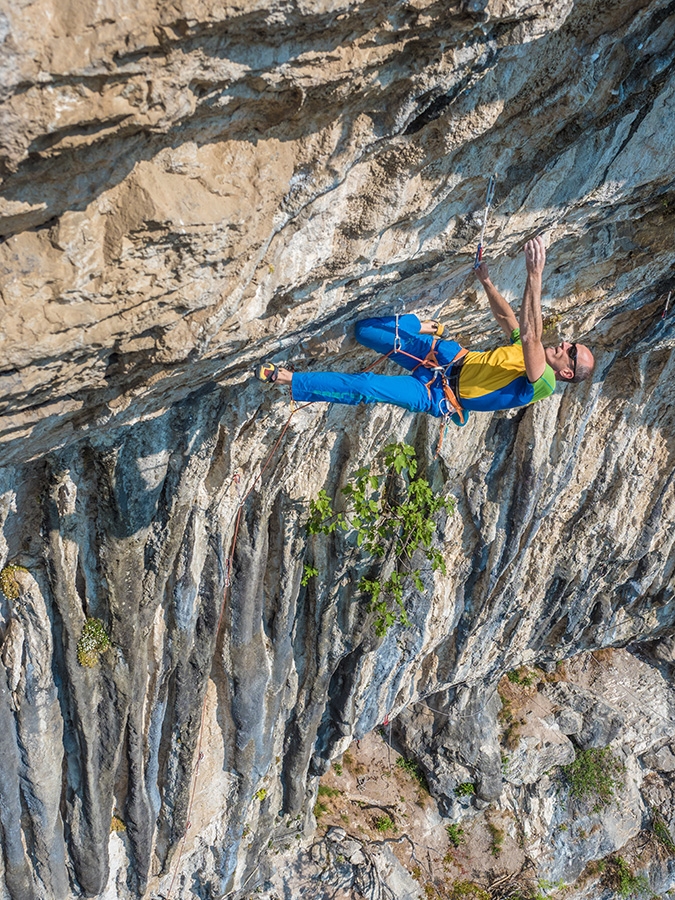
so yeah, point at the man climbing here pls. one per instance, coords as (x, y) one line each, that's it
(444, 378)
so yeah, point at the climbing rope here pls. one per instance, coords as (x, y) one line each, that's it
(488, 203)
(481, 243)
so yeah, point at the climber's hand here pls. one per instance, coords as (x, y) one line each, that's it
(535, 255)
(482, 273)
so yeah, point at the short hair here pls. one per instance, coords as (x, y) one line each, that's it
(581, 373)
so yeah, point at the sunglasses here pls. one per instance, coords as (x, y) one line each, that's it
(572, 353)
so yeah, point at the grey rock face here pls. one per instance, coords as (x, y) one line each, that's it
(194, 188)
(600, 723)
(569, 721)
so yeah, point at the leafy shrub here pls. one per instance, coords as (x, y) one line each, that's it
(93, 641)
(386, 506)
(594, 776)
(307, 573)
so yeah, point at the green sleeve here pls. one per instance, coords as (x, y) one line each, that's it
(544, 385)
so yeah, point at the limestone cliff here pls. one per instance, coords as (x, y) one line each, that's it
(189, 187)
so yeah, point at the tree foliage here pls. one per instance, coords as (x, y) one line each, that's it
(390, 511)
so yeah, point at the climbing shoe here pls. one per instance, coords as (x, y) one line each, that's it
(267, 372)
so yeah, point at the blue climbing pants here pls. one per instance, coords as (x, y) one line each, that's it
(407, 391)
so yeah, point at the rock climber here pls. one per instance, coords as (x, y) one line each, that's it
(445, 379)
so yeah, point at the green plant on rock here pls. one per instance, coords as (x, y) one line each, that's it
(522, 676)
(662, 832)
(549, 323)
(327, 791)
(465, 789)
(384, 824)
(260, 794)
(9, 584)
(390, 512)
(455, 834)
(468, 890)
(413, 769)
(117, 824)
(497, 838)
(621, 878)
(93, 641)
(594, 776)
(308, 572)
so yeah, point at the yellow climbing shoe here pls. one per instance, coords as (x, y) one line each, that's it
(267, 372)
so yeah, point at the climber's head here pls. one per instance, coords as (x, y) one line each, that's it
(570, 362)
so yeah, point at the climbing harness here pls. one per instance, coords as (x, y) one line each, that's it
(488, 203)
(430, 361)
(449, 405)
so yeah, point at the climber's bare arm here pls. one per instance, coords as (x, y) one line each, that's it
(531, 326)
(506, 318)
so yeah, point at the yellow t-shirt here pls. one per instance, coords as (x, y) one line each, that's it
(496, 379)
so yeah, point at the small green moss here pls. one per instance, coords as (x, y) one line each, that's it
(117, 824)
(260, 794)
(9, 584)
(93, 641)
(319, 809)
